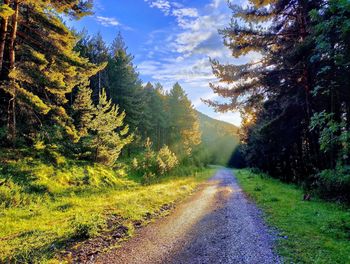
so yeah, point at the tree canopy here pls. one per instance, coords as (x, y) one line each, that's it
(294, 99)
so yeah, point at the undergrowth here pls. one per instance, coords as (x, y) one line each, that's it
(44, 206)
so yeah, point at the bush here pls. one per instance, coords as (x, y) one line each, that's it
(184, 171)
(166, 160)
(335, 183)
(151, 165)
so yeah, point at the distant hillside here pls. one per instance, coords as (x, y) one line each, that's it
(210, 125)
(219, 139)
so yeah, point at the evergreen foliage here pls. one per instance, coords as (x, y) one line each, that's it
(40, 67)
(167, 118)
(101, 126)
(151, 164)
(294, 99)
(125, 86)
(184, 123)
(69, 96)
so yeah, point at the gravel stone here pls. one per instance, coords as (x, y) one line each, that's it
(216, 225)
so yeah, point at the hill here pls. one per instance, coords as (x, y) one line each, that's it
(219, 139)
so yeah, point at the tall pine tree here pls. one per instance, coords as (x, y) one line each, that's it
(102, 128)
(39, 66)
(125, 86)
(184, 131)
(96, 50)
(273, 93)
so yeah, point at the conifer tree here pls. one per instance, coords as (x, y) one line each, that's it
(40, 67)
(156, 123)
(184, 131)
(331, 57)
(274, 92)
(107, 141)
(95, 49)
(5, 13)
(101, 127)
(83, 110)
(125, 87)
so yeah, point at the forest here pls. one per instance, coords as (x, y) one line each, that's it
(94, 158)
(295, 99)
(76, 120)
(69, 95)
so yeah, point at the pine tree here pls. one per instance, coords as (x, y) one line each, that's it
(184, 131)
(274, 92)
(331, 57)
(107, 142)
(95, 49)
(125, 87)
(40, 67)
(101, 127)
(83, 110)
(157, 114)
(5, 13)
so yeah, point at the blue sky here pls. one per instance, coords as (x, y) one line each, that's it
(171, 41)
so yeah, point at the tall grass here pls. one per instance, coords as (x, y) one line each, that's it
(44, 206)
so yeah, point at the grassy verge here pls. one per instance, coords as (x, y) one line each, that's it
(312, 232)
(40, 221)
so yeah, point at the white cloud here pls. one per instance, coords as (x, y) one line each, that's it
(173, 8)
(163, 5)
(107, 21)
(185, 12)
(178, 69)
(183, 52)
(111, 22)
(216, 3)
(186, 42)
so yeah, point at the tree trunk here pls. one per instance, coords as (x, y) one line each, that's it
(13, 34)
(12, 102)
(99, 83)
(3, 32)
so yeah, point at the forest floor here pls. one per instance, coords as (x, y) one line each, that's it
(216, 225)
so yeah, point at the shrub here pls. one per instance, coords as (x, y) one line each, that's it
(152, 164)
(166, 160)
(183, 171)
(335, 183)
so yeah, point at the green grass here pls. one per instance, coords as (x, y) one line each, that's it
(43, 207)
(311, 231)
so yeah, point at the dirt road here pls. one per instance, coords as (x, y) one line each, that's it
(216, 225)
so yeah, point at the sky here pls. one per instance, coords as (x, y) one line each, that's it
(171, 41)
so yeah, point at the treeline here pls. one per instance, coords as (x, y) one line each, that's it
(67, 94)
(165, 117)
(295, 99)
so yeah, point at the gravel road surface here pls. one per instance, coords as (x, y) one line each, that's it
(218, 224)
